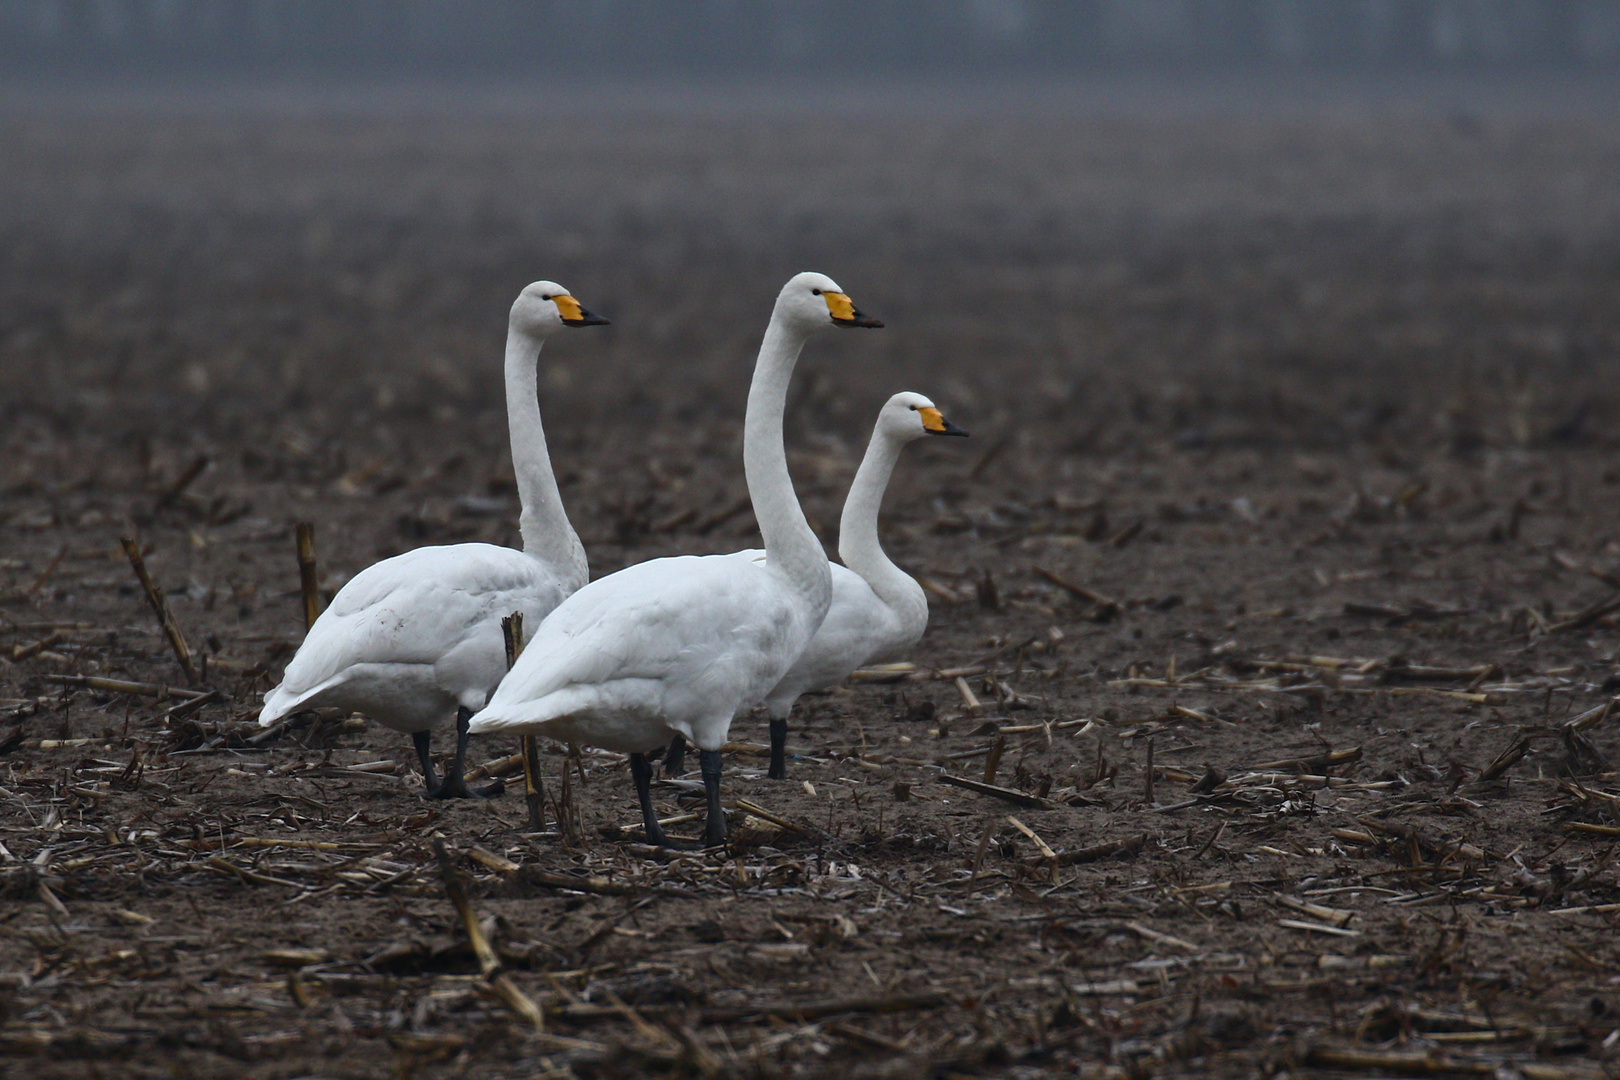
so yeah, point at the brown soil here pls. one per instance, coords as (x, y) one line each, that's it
(1324, 405)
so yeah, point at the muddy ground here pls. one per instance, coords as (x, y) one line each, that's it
(1275, 579)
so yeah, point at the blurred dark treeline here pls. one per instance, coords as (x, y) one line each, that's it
(766, 37)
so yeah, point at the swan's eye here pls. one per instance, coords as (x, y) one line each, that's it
(545, 296)
(914, 408)
(815, 292)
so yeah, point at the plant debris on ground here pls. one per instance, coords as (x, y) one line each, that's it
(1266, 722)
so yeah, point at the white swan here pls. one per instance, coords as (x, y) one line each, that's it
(878, 612)
(681, 645)
(416, 638)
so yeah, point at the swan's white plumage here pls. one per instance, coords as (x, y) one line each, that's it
(408, 640)
(671, 645)
(859, 629)
(683, 645)
(878, 612)
(411, 639)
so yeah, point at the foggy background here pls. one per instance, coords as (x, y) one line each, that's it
(1290, 329)
(884, 37)
(1204, 223)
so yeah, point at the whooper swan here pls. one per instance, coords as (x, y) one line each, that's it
(679, 646)
(416, 638)
(878, 612)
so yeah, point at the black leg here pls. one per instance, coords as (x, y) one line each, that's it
(641, 773)
(455, 781)
(430, 779)
(778, 749)
(675, 758)
(714, 829)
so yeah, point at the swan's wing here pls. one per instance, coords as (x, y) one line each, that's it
(438, 607)
(858, 627)
(868, 630)
(679, 640)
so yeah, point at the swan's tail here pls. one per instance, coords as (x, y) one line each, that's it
(285, 700)
(278, 703)
(529, 716)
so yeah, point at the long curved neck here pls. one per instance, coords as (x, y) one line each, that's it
(791, 548)
(547, 535)
(858, 544)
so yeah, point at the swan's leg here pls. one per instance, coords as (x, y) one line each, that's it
(455, 781)
(675, 757)
(714, 828)
(778, 769)
(641, 773)
(430, 779)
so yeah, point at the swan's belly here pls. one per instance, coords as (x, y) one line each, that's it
(620, 732)
(405, 697)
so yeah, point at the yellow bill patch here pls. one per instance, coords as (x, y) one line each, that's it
(839, 305)
(568, 307)
(932, 420)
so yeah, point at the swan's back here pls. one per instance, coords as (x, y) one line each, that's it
(428, 623)
(676, 644)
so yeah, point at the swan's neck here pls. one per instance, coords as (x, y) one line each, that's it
(858, 544)
(791, 548)
(547, 536)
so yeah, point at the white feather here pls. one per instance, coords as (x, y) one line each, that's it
(682, 645)
(859, 629)
(410, 639)
(671, 645)
(878, 612)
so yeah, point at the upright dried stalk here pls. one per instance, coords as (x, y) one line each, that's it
(533, 789)
(308, 580)
(160, 607)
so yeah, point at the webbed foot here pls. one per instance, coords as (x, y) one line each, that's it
(455, 787)
(455, 781)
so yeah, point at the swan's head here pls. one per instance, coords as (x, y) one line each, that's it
(910, 416)
(544, 306)
(815, 300)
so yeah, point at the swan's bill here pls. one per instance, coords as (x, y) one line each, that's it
(934, 423)
(574, 315)
(845, 313)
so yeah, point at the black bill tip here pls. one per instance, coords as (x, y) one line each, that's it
(860, 319)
